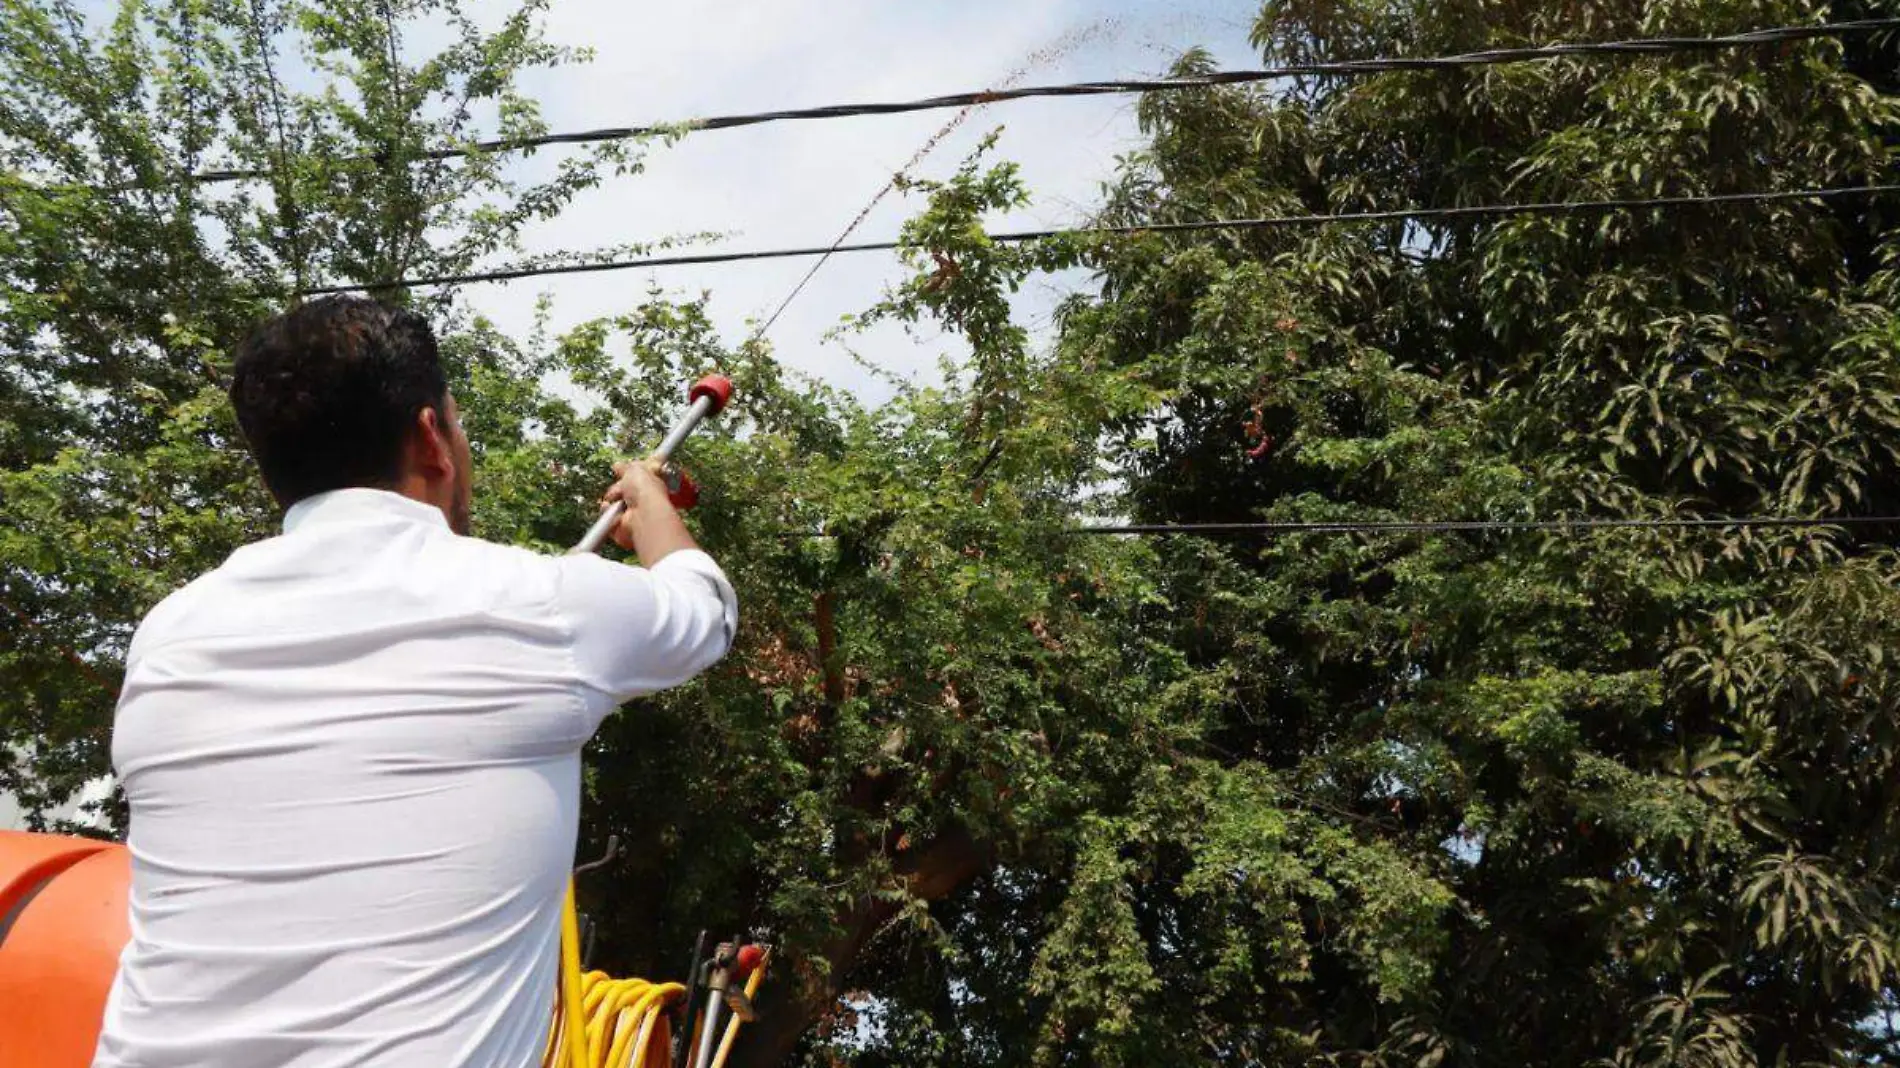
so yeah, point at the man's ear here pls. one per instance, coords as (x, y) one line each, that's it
(430, 450)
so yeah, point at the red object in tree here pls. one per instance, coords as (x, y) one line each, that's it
(1255, 429)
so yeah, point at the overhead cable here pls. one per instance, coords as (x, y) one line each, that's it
(1426, 526)
(1455, 525)
(1349, 67)
(1471, 211)
(1062, 44)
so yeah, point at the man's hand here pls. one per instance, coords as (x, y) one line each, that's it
(638, 483)
(650, 528)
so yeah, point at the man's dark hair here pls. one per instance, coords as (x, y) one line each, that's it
(327, 392)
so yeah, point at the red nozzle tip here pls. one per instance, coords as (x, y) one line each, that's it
(718, 387)
(749, 958)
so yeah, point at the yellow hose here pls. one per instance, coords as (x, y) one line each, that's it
(618, 1016)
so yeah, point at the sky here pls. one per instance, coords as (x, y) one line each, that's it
(12, 819)
(800, 183)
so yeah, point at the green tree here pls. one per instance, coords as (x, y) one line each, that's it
(1637, 786)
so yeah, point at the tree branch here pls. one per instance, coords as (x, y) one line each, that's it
(72, 657)
(791, 1007)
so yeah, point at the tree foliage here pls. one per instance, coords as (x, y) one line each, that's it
(1619, 797)
(1614, 766)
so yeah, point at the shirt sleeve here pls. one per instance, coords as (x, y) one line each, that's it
(640, 630)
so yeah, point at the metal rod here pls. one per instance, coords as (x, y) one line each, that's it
(694, 415)
(597, 534)
(706, 1037)
(683, 1042)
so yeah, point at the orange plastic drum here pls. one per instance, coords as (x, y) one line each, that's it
(62, 924)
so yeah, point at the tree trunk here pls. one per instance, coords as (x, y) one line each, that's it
(791, 1004)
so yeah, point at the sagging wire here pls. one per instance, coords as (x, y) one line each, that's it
(1270, 222)
(1042, 55)
(1448, 526)
(1641, 46)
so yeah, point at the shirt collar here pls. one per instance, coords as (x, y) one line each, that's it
(359, 504)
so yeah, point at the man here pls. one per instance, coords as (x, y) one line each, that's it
(352, 752)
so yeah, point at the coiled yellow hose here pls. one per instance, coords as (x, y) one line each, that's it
(622, 1020)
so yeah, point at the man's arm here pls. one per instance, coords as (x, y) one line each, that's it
(642, 629)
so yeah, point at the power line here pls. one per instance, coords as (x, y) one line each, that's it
(1351, 67)
(1473, 211)
(1054, 50)
(1452, 526)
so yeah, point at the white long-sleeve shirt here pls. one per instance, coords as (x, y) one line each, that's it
(352, 755)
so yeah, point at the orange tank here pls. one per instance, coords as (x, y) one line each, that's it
(62, 924)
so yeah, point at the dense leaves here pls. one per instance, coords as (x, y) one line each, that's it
(1004, 794)
(1621, 763)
